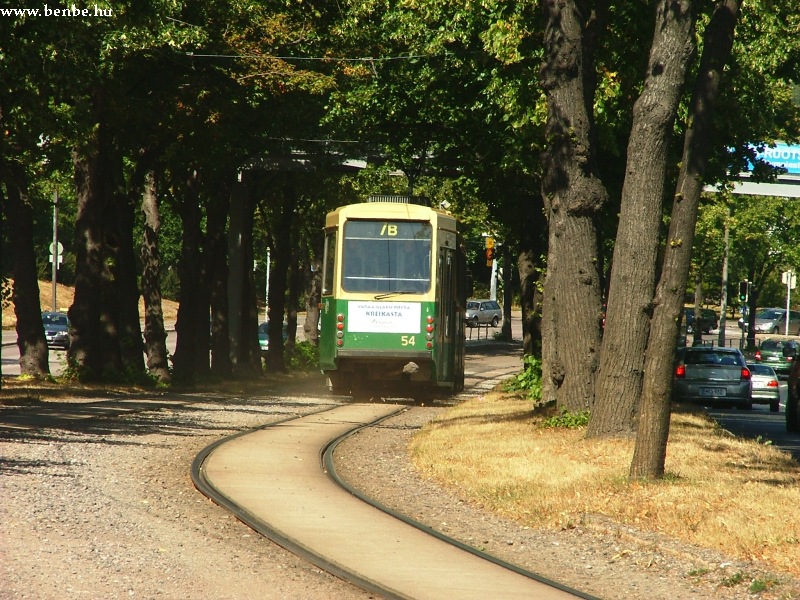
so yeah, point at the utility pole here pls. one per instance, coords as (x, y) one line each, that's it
(723, 309)
(266, 292)
(54, 253)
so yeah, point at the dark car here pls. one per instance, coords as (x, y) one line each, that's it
(793, 396)
(706, 323)
(483, 312)
(712, 376)
(778, 354)
(56, 329)
(263, 337)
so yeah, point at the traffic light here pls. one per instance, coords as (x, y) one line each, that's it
(744, 289)
(490, 251)
(490, 254)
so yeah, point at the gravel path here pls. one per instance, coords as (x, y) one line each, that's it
(97, 502)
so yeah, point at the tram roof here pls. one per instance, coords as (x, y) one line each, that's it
(390, 210)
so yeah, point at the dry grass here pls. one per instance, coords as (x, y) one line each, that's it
(729, 494)
(64, 297)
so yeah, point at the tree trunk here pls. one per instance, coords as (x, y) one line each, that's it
(295, 279)
(155, 335)
(191, 316)
(697, 331)
(33, 351)
(278, 282)
(86, 348)
(508, 294)
(313, 294)
(628, 310)
(249, 332)
(573, 196)
(125, 297)
(650, 450)
(217, 269)
(531, 300)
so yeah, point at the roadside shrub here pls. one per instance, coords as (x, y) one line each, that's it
(568, 420)
(305, 357)
(529, 381)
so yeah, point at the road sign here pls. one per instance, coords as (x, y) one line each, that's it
(60, 250)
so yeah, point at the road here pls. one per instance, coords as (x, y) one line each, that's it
(758, 423)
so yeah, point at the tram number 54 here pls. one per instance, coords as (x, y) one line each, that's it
(407, 340)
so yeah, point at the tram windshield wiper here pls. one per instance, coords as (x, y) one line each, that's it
(390, 294)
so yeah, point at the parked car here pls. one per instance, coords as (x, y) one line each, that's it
(483, 312)
(56, 329)
(776, 354)
(765, 388)
(712, 376)
(707, 322)
(773, 320)
(263, 337)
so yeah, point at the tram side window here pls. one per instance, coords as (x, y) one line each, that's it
(329, 260)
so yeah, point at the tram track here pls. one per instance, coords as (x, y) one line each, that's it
(334, 551)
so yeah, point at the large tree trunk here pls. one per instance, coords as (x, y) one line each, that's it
(33, 351)
(278, 280)
(191, 315)
(124, 299)
(313, 292)
(650, 451)
(295, 281)
(87, 349)
(249, 332)
(217, 269)
(155, 335)
(531, 302)
(508, 294)
(619, 378)
(573, 196)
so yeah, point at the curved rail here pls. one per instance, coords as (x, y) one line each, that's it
(327, 458)
(257, 524)
(285, 537)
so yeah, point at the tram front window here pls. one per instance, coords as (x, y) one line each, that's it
(386, 257)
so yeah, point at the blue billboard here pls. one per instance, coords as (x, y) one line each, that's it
(782, 155)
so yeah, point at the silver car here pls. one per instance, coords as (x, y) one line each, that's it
(765, 387)
(483, 312)
(773, 320)
(712, 375)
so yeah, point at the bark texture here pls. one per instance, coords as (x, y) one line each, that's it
(632, 281)
(86, 352)
(650, 450)
(573, 196)
(155, 334)
(33, 352)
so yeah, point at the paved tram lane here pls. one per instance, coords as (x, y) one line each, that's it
(275, 478)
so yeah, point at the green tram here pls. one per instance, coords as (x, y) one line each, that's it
(393, 300)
